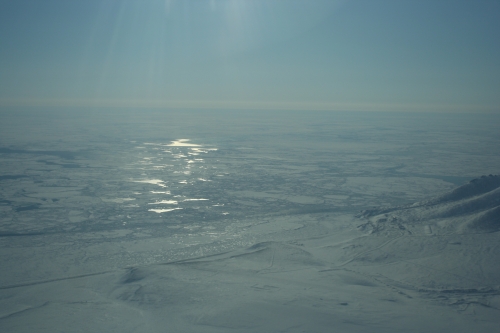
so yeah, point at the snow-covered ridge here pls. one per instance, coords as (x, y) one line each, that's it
(471, 208)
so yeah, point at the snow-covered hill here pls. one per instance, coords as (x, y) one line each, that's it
(471, 208)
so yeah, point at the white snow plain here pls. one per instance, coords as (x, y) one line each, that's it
(310, 222)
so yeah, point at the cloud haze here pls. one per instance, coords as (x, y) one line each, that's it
(412, 55)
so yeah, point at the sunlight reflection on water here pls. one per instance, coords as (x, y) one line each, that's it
(159, 211)
(167, 168)
(182, 143)
(166, 202)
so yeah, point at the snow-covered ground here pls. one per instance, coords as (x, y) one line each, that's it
(149, 221)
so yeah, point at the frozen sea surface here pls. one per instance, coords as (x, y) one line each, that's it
(248, 221)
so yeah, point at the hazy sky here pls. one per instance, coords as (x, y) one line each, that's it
(298, 54)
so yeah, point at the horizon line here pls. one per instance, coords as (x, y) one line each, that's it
(247, 105)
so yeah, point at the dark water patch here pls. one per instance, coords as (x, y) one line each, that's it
(62, 154)
(394, 168)
(70, 166)
(6, 177)
(20, 234)
(28, 207)
(64, 165)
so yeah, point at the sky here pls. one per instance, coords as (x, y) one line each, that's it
(401, 55)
